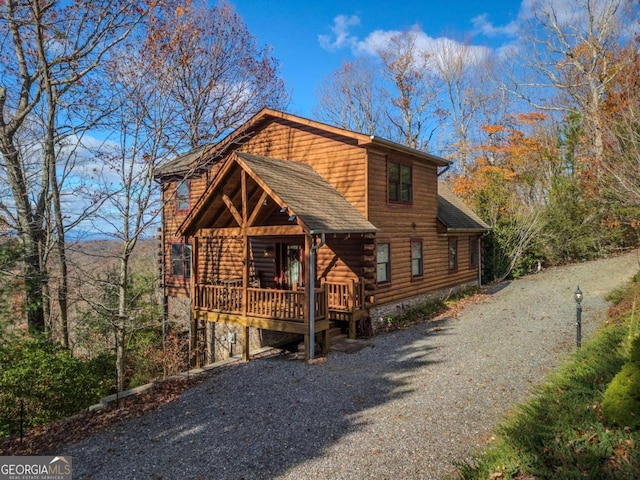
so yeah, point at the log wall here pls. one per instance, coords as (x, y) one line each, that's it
(399, 224)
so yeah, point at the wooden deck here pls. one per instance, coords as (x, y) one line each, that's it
(279, 310)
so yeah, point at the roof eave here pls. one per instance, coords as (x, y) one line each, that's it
(441, 162)
(466, 230)
(343, 231)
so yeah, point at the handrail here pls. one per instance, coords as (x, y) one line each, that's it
(345, 296)
(285, 305)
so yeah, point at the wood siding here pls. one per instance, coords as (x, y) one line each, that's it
(172, 219)
(338, 159)
(399, 224)
(357, 172)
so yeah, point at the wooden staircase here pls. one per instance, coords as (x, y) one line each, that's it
(335, 332)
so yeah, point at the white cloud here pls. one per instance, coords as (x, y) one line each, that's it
(482, 25)
(341, 33)
(378, 40)
(568, 14)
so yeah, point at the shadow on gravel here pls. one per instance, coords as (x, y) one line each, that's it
(261, 419)
(493, 288)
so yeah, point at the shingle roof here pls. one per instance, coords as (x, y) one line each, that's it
(454, 214)
(202, 156)
(182, 164)
(307, 195)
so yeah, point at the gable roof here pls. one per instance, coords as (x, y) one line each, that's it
(206, 155)
(181, 165)
(455, 215)
(317, 205)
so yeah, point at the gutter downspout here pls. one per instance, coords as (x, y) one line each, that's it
(312, 296)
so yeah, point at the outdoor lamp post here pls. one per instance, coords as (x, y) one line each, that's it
(578, 297)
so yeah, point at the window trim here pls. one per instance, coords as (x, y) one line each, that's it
(453, 254)
(186, 261)
(387, 282)
(421, 242)
(474, 246)
(181, 199)
(399, 184)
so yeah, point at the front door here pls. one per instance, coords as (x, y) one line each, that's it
(289, 266)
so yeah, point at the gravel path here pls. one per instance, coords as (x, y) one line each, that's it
(404, 408)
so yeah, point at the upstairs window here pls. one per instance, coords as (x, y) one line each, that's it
(182, 197)
(181, 260)
(453, 253)
(416, 258)
(400, 183)
(383, 258)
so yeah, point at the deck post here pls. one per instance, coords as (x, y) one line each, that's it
(245, 264)
(326, 337)
(309, 287)
(193, 321)
(245, 344)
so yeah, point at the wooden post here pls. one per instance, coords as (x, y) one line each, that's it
(193, 322)
(326, 337)
(309, 287)
(245, 264)
(245, 344)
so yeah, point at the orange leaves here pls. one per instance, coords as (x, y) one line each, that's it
(531, 118)
(492, 129)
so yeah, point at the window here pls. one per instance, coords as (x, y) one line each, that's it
(453, 253)
(181, 260)
(400, 183)
(182, 197)
(383, 256)
(416, 258)
(473, 251)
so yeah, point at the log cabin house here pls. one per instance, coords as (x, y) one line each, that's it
(291, 225)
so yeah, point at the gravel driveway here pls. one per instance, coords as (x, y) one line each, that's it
(405, 407)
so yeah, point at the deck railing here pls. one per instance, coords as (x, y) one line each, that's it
(345, 297)
(218, 298)
(281, 304)
(285, 305)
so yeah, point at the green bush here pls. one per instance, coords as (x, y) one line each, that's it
(49, 382)
(621, 403)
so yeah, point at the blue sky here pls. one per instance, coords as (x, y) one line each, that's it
(311, 39)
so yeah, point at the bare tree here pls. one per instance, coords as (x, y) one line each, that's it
(47, 49)
(469, 94)
(621, 182)
(352, 98)
(195, 76)
(142, 116)
(414, 88)
(571, 54)
(211, 68)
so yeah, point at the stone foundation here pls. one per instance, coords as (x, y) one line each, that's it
(379, 313)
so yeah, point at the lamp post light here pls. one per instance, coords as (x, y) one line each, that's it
(578, 298)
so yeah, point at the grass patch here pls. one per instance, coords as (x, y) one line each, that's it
(561, 433)
(427, 310)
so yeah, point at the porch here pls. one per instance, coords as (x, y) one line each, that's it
(263, 246)
(277, 309)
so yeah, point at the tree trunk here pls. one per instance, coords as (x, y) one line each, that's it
(120, 332)
(63, 287)
(123, 315)
(34, 277)
(31, 235)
